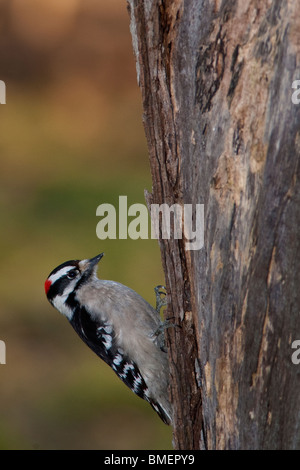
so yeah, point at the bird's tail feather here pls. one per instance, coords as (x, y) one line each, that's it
(165, 415)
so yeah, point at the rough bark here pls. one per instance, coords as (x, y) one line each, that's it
(216, 80)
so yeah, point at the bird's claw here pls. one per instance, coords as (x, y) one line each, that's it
(160, 301)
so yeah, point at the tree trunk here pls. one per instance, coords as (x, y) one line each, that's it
(223, 130)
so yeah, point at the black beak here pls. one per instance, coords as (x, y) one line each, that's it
(88, 266)
(93, 261)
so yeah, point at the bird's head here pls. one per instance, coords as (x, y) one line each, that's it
(66, 279)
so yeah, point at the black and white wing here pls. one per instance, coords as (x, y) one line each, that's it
(99, 336)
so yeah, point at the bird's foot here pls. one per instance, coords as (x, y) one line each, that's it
(161, 297)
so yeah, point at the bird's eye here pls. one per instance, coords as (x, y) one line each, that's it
(72, 274)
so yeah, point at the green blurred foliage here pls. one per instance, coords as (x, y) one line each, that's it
(71, 138)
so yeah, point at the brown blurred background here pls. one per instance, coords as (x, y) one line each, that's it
(71, 138)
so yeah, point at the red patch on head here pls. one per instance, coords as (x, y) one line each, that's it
(47, 286)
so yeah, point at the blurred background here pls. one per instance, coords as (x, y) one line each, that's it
(71, 138)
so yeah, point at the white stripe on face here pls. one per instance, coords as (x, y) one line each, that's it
(60, 304)
(62, 272)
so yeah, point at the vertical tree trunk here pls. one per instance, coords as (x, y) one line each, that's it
(222, 130)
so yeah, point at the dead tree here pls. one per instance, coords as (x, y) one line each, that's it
(223, 129)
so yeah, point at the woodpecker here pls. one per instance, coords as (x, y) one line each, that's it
(118, 325)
